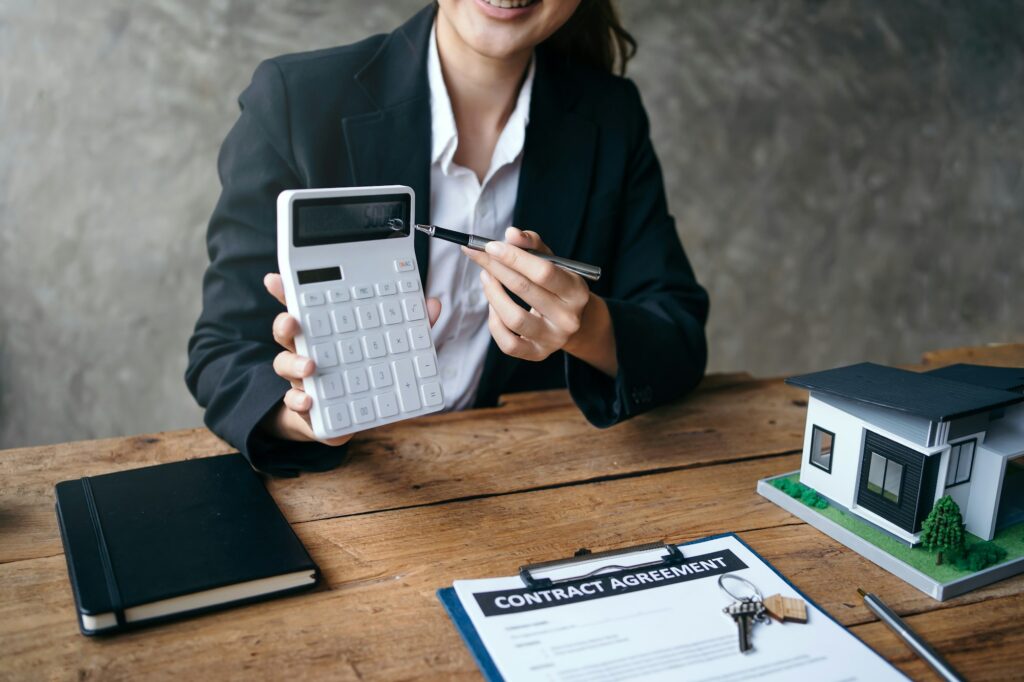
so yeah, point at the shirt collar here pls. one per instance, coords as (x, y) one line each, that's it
(444, 134)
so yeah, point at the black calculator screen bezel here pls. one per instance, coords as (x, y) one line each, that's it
(361, 235)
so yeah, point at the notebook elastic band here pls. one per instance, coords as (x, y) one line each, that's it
(101, 544)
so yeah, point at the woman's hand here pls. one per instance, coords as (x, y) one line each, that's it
(291, 420)
(564, 314)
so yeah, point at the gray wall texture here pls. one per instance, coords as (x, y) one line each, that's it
(848, 179)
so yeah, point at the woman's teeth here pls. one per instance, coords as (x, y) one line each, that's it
(509, 4)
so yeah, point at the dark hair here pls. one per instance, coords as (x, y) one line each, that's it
(594, 36)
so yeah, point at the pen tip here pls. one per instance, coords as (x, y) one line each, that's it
(861, 592)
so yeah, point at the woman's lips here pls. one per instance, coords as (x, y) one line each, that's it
(506, 9)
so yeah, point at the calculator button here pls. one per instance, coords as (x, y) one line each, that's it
(386, 288)
(368, 316)
(387, 405)
(311, 298)
(408, 284)
(413, 308)
(391, 312)
(350, 351)
(362, 291)
(337, 416)
(407, 392)
(355, 380)
(362, 410)
(397, 341)
(420, 337)
(405, 265)
(380, 376)
(330, 386)
(317, 324)
(426, 366)
(373, 344)
(343, 319)
(325, 355)
(337, 295)
(432, 394)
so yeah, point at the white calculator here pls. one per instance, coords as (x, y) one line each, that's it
(350, 278)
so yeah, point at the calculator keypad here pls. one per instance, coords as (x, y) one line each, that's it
(372, 349)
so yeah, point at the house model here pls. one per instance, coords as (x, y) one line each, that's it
(886, 444)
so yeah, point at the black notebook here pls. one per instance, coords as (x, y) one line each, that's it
(160, 542)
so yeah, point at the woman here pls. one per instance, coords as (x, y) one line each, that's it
(501, 116)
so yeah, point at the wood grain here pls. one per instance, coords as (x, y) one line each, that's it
(469, 495)
(382, 569)
(534, 440)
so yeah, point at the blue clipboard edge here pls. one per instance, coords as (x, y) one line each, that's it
(450, 601)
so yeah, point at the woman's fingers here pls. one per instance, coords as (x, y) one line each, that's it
(285, 328)
(516, 319)
(526, 239)
(275, 285)
(433, 310)
(298, 401)
(509, 343)
(292, 367)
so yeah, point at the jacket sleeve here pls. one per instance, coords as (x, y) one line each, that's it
(658, 309)
(231, 351)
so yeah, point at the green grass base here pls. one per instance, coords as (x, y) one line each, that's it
(1011, 539)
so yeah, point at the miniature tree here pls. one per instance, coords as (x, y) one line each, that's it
(943, 529)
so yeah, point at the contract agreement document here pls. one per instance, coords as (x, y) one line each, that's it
(651, 623)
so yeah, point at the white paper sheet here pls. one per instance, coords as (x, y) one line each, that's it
(661, 625)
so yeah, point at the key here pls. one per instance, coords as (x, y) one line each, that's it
(385, 288)
(317, 324)
(343, 319)
(391, 312)
(373, 344)
(368, 316)
(413, 309)
(362, 291)
(337, 295)
(397, 341)
(407, 393)
(420, 337)
(312, 298)
(745, 613)
(408, 284)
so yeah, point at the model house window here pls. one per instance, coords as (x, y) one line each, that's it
(821, 448)
(885, 477)
(961, 459)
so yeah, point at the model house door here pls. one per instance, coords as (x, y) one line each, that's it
(896, 482)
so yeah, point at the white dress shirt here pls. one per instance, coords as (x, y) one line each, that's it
(461, 202)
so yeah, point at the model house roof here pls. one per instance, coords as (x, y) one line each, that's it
(929, 395)
(1002, 378)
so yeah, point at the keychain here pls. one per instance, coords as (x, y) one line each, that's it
(745, 610)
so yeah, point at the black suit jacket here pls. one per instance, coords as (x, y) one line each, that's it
(590, 184)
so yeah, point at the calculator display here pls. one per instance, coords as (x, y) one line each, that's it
(338, 220)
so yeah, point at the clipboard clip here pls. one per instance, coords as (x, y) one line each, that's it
(673, 557)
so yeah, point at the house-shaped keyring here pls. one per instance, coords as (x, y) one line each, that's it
(885, 444)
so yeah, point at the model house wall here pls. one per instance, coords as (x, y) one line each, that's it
(849, 422)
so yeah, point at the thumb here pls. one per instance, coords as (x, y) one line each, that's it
(433, 310)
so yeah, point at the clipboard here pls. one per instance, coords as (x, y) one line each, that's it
(674, 555)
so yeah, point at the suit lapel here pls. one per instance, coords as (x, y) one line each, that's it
(554, 183)
(391, 146)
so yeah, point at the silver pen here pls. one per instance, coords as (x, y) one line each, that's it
(913, 640)
(471, 241)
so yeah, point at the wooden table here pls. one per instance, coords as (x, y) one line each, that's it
(470, 495)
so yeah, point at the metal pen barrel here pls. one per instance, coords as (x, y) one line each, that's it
(585, 270)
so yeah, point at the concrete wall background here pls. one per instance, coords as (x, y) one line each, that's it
(848, 179)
